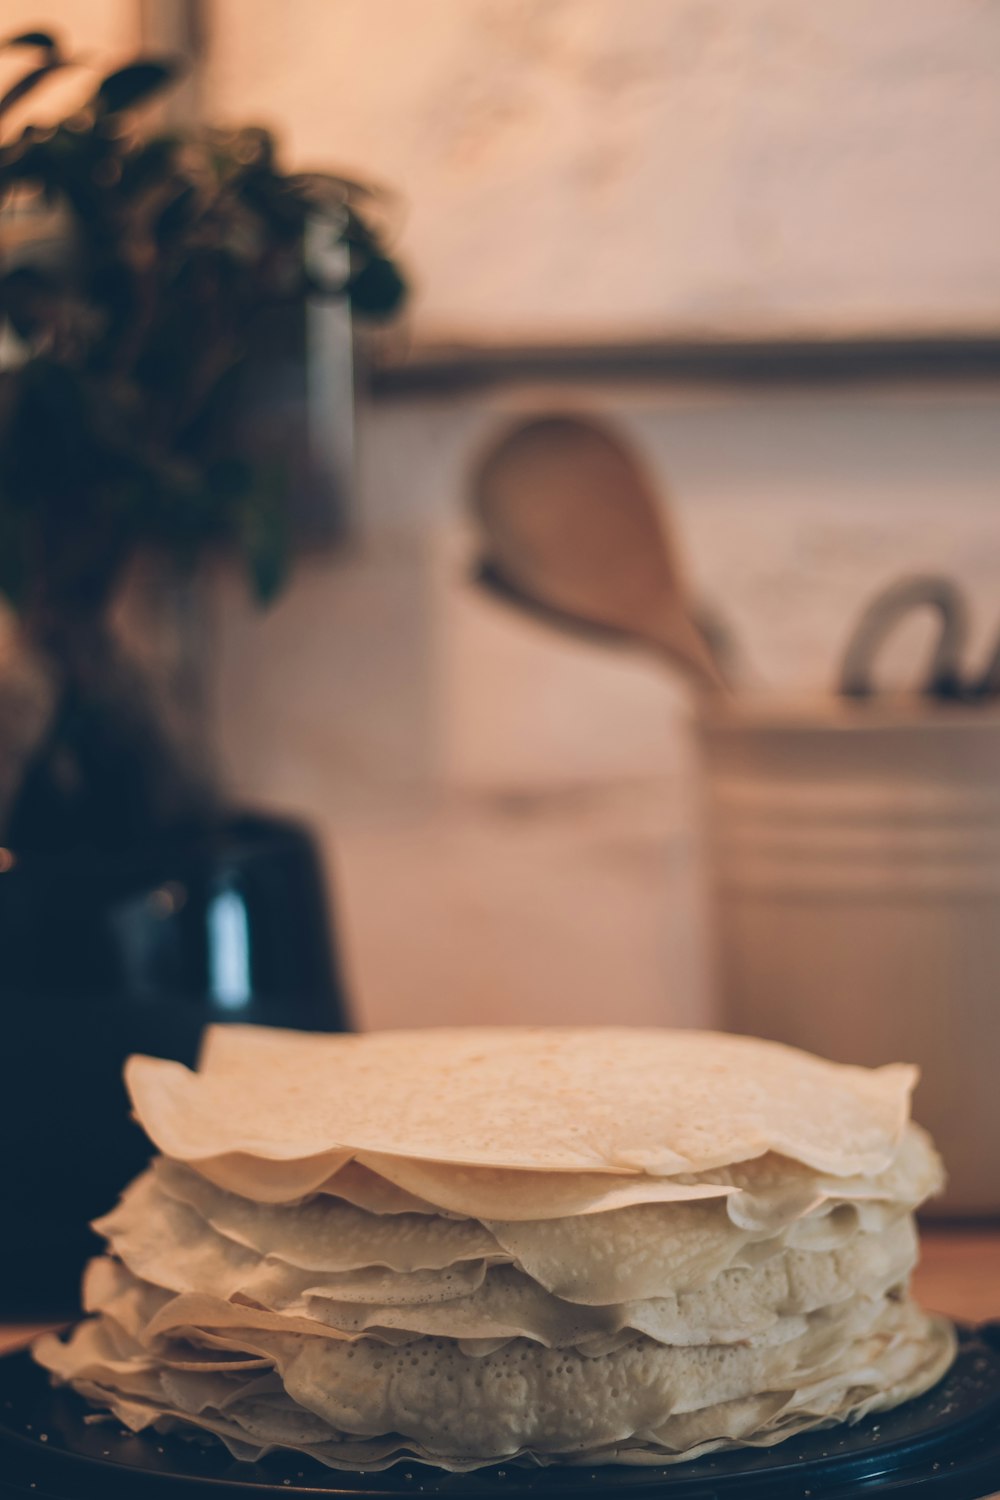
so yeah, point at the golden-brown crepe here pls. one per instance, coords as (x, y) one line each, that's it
(468, 1247)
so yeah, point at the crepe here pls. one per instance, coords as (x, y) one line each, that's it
(643, 1402)
(520, 1246)
(591, 1100)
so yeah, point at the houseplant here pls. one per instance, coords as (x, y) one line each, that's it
(131, 304)
(138, 271)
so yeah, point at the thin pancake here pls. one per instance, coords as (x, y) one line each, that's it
(611, 1100)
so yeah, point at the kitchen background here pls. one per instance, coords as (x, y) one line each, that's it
(761, 238)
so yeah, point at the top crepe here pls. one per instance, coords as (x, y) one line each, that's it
(602, 1100)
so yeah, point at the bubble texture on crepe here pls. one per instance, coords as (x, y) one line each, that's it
(509, 1246)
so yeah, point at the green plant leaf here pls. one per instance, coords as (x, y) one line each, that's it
(135, 84)
(230, 479)
(166, 267)
(262, 532)
(176, 215)
(60, 162)
(24, 85)
(269, 562)
(377, 289)
(43, 39)
(151, 163)
(31, 299)
(268, 195)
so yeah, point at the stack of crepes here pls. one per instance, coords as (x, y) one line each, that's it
(472, 1246)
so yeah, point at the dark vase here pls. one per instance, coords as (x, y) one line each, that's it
(106, 954)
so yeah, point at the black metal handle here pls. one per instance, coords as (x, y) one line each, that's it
(883, 615)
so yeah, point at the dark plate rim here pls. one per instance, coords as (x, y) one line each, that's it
(914, 1450)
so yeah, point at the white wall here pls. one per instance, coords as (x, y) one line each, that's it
(589, 168)
(511, 812)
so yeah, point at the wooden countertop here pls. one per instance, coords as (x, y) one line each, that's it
(959, 1272)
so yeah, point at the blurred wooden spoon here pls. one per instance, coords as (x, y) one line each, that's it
(572, 529)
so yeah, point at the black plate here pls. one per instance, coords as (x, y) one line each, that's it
(945, 1446)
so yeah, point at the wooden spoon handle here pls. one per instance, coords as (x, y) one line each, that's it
(680, 642)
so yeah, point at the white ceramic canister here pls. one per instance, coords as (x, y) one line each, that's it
(854, 857)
